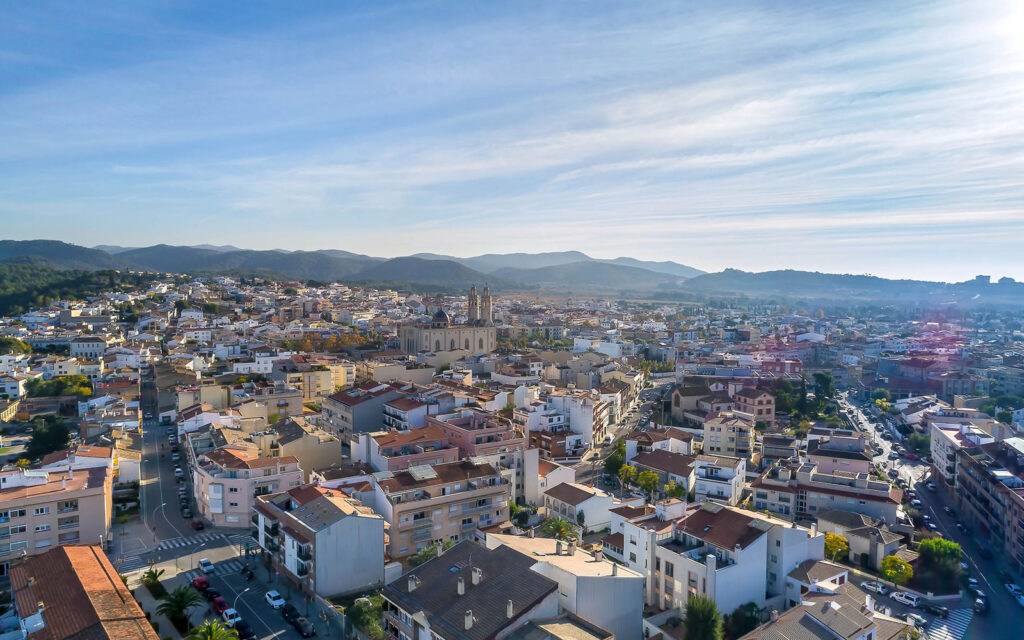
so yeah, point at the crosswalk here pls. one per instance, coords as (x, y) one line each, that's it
(220, 569)
(185, 541)
(952, 628)
(131, 564)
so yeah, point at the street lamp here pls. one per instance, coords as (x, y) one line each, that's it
(190, 554)
(234, 605)
(160, 506)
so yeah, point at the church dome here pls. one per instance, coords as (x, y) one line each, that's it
(441, 319)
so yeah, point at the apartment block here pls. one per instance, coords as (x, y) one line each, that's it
(357, 409)
(397, 450)
(40, 510)
(427, 504)
(946, 440)
(477, 432)
(990, 490)
(719, 478)
(322, 540)
(800, 490)
(729, 434)
(229, 479)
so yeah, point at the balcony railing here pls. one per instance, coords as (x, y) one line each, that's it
(303, 570)
(304, 554)
(68, 509)
(272, 531)
(415, 524)
(67, 525)
(255, 519)
(468, 526)
(420, 536)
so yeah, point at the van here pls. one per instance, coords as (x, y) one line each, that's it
(608, 439)
(909, 599)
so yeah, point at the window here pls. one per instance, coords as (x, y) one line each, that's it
(233, 490)
(42, 527)
(632, 557)
(232, 504)
(42, 511)
(775, 558)
(778, 543)
(669, 569)
(18, 529)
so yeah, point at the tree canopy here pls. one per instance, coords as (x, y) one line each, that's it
(702, 621)
(49, 434)
(896, 570)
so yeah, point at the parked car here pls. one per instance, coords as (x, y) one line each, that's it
(289, 613)
(949, 510)
(211, 594)
(200, 583)
(973, 584)
(274, 599)
(911, 456)
(231, 617)
(206, 565)
(930, 485)
(936, 609)
(980, 602)
(1014, 589)
(186, 513)
(1020, 599)
(198, 525)
(909, 599)
(917, 620)
(877, 587)
(244, 630)
(304, 627)
(220, 605)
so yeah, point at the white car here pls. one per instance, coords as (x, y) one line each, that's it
(1020, 599)
(206, 566)
(917, 620)
(274, 599)
(231, 617)
(877, 587)
(908, 599)
(1014, 589)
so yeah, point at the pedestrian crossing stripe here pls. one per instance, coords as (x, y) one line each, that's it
(132, 564)
(952, 628)
(234, 566)
(185, 541)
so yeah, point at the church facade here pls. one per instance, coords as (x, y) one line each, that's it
(478, 335)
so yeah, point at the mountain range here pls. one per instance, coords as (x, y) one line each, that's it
(556, 272)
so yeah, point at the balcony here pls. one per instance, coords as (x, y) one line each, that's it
(68, 509)
(255, 519)
(303, 570)
(304, 554)
(701, 554)
(476, 508)
(468, 526)
(68, 525)
(422, 535)
(272, 546)
(416, 524)
(272, 530)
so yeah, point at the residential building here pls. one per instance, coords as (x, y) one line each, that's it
(800, 490)
(589, 586)
(477, 432)
(870, 540)
(74, 592)
(990, 490)
(230, 478)
(838, 453)
(671, 467)
(946, 440)
(397, 450)
(671, 439)
(540, 474)
(427, 504)
(469, 593)
(322, 540)
(757, 403)
(730, 434)
(719, 478)
(358, 409)
(583, 505)
(731, 556)
(42, 509)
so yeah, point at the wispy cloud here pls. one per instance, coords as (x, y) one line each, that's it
(862, 137)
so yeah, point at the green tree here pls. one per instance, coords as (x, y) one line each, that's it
(626, 475)
(940, 564)
(13, 346)
(881, 394)
(274, 418)
(836, 546)
(896, 570)
(365, 615)
(176, 603)
(1005, 417)
(151, 575)
(581, 520)
(429, 553)
(742, 621)
(559, 529)
(702, 622)
(648, 481)
(49, 434)
(212, 630)
(674, 490)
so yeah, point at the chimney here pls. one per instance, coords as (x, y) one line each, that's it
(71, 473)
(469, 619)
(572, 549)
(460, 586)
(40, 607)
(509, 610)
(413, 583)
(531, 532)
(775, 615)
(558, 547)
(478, 576)
(63, 483)
(598, 555)
(868, 603)
(814, 529)
(615, 568)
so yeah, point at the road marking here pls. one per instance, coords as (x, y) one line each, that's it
(952, 628)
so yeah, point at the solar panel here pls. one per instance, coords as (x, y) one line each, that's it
(422, 472)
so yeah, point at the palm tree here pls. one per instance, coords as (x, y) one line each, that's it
(175, 605)
(151, 575)
(559, 529)
(702, 621)
(212, 630)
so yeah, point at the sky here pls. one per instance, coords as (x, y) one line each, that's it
(884, 138)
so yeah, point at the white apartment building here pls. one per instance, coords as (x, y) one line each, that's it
(946, 440)
(719, 478)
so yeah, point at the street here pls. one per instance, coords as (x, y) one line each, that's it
(1005, 616)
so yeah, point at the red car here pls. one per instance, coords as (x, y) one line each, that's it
(220, 605)
(198, 525)
(200, 583)
(911, 456)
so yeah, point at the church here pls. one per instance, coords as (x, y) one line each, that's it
(478, 335)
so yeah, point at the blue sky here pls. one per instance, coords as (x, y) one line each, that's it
(859, 137)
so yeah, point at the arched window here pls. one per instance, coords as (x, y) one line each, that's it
(437, 345)
(467, 344)
(481, 343)
(452, 347)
